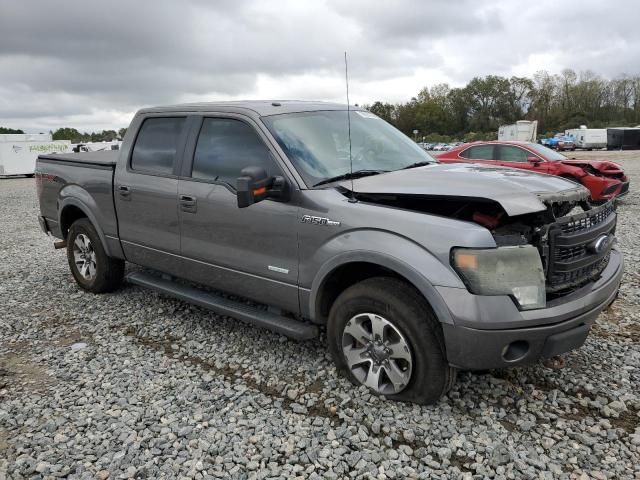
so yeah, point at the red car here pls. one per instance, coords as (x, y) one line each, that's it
(604, 179)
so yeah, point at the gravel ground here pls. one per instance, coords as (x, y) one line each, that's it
(131, 384)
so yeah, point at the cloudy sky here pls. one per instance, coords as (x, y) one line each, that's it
(90, 65)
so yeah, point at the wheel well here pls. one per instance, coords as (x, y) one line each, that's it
(345, 276)
(69, 215)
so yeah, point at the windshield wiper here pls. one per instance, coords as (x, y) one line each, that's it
(417, 164)
(350, 175)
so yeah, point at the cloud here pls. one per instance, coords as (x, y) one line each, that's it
(91, 65)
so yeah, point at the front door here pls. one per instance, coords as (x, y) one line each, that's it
(513, 156)
(146, 195)
(249, 251)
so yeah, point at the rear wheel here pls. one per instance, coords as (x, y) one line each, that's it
(383, 334)
(92, 269)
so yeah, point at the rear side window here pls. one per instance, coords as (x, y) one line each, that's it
(156, 145)
(508, 153)
(226, 146)
(479, 152)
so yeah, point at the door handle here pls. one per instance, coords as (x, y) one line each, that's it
(188, 203)
(124, 191)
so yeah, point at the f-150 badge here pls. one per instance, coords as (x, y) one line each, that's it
(319, 221)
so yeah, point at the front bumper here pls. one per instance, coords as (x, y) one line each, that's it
(603, 188)
(489, 333)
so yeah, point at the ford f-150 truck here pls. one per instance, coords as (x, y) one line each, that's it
(317, 215)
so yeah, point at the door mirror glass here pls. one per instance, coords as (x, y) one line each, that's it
(255, 185)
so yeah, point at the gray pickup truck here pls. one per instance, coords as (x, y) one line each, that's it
(316, 215)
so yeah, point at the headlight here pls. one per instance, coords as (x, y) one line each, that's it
(515, 271)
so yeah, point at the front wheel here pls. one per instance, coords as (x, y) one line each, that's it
(383, 334)
(92, 269)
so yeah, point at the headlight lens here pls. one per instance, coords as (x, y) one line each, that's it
(515, 271)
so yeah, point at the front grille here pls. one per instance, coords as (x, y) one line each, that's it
(573, 258)
(583, 221)
(570, 253)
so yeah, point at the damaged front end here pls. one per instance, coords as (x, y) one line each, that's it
(573, 238)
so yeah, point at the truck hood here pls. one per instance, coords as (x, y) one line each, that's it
(518, 192)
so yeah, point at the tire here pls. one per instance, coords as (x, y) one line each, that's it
(411, 327)
(92, 269)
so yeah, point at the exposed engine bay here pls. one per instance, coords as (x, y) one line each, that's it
(573, 237)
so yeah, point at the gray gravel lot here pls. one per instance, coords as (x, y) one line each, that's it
(132, 384)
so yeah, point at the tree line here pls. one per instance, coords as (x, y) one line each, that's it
(75, 136)
(557, 102)
(10, 130)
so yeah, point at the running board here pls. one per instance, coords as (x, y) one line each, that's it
(276, 323)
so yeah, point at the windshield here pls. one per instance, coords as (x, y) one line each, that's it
(546, 152)
(318, 143)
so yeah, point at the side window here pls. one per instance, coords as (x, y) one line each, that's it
(508, 153)
(226, 146)
(479, 152)
(156, 145)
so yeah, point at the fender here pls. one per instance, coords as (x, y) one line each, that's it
(82, 200)
(401, 255)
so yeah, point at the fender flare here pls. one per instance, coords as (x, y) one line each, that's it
(75, 202)
(394, 264)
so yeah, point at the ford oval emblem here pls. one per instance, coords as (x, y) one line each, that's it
(599, 244)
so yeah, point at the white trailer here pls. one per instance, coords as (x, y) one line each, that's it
(588, 138)
(521, 131)
(18, 153)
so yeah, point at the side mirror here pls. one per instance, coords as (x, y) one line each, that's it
(534, 160)
(254, 185)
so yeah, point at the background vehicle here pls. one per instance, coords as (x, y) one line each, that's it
(95, 146)
(395, 253)
(588, 138)
(18, 152)
(522, 130)
(604, 179)
(440, 147)
(559, 142)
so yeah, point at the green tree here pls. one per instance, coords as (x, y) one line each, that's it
(383, 110)
(67, 133)
(10, 130)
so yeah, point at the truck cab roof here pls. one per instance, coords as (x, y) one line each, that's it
(260, 107)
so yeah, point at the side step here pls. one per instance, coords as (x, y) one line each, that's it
(224, 306)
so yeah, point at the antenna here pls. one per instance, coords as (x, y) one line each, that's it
(352, 199)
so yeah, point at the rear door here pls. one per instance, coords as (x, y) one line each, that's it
(253, 251)
(480, 154)
(146, 194)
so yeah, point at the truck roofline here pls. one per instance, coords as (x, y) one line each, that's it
(260, 108)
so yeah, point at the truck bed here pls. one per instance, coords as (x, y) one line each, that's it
(83, 180)
(107, 158)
